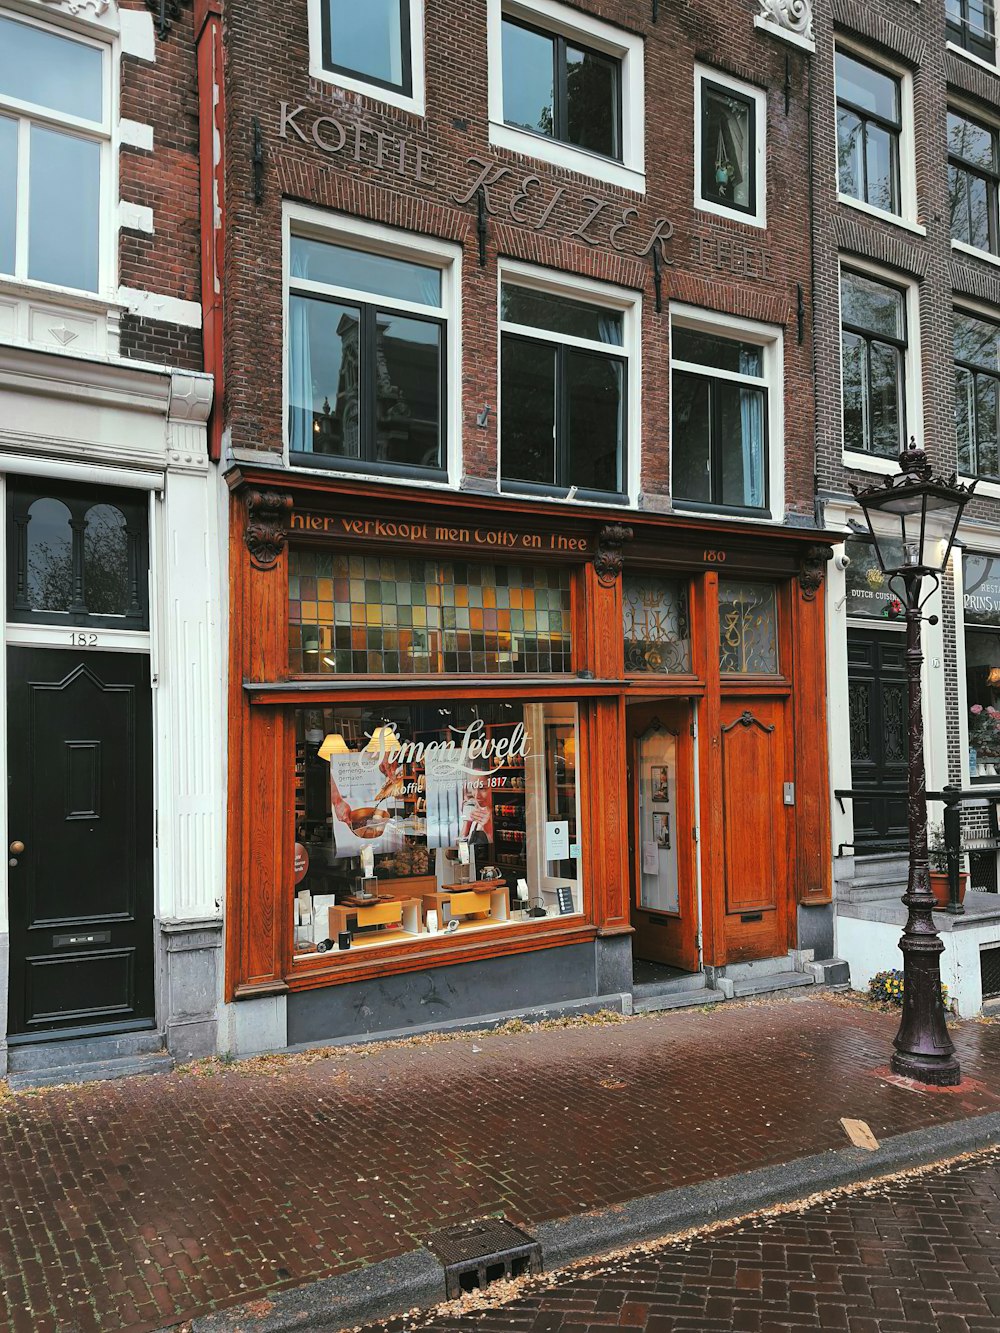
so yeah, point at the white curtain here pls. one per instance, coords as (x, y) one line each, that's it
(752, 427)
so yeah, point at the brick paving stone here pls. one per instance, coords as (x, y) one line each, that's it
(717, 1281)
(228, 1176)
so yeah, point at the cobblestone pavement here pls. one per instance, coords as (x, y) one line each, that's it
(919, 1254)
(134, 1204)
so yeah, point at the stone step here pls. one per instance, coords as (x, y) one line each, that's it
(646, 990)
(761, 967)
(774, 981)
(91, 1071)
(830, 971)
(853, 892)
(687, 999)
(82, 1050)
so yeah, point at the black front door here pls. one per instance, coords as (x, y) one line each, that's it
(877, 694)
(80, 840)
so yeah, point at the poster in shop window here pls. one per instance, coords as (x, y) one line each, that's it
(364, 794)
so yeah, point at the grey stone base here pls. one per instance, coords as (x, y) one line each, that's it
(190, 955)
(4, 983)
(815, 928)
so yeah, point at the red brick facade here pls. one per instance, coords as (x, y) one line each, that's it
(329, 154)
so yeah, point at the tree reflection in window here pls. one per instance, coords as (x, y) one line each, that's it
(50, 556)
(105, 561)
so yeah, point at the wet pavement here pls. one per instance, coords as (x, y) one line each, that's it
(136, 1204)
(918, 1254)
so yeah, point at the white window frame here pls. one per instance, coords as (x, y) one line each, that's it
(626, 47)
(976, 310)
(571, 287)
(907, 215)
(912, 397)
(414, 101)
(103, 133)
(758, 216)
(355, 234)
(970, 111)
(770, 338)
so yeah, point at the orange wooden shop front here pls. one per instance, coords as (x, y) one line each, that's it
(680, 704)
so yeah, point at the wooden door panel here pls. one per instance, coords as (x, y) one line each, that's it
(877, 718)
(755, 767)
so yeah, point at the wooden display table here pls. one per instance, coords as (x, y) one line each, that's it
(401, 913)
(480, 899)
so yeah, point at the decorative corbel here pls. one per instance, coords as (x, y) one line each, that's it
(812, 569)
(609, 558)
(265, 534)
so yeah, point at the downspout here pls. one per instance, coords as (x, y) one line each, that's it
(211, 165)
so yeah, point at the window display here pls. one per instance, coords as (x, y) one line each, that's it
(432, 818)
(981, 574)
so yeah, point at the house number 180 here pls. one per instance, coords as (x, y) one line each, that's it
(713, 557)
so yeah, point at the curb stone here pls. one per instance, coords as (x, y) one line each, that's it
(393, 1286)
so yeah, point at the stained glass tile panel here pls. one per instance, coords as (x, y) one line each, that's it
(374, 615)
(656, 624)
(748, 628)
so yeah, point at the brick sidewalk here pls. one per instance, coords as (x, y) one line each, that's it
(136, 1204)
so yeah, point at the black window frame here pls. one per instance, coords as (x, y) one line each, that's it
(728, 91)
(900, 345)
(977, 373)
(367, 459)
(894, 128)
(961, 35)
(79, 498)
(714, 504)
(405, 87)
(560, 103)
(990, 179)
(562, 488)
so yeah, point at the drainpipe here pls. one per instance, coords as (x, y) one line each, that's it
(211, 165)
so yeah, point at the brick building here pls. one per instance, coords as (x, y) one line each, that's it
(905, 128)
(527, 695)
(110, 907)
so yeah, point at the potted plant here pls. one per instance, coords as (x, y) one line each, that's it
(937, 856)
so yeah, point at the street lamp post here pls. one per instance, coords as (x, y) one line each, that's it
(924, 1051)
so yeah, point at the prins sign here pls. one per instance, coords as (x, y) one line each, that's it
(383, 530)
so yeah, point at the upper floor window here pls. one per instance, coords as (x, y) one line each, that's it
(971, 25)
(973, 174)
(54, 132)
(375, 48)
(77, 556)
(368, 351)
(869, 124)
(563, 90)
(566, 87)
(564, 370)
(730, 120)
(873, 354)
(719, 394)
(977, 395)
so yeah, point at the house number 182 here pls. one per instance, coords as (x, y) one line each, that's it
(80, 640)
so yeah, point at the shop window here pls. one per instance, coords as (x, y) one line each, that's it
(973, 175)
(868, 133)
(77, 556)
(971, 25)
(382, 615)
(981, 581)
(977, 395)
(54, 132)
(748, 628)
(869, 595)
(719, 396)
(874, 344)
(730, 120)
(417, 820)
(657, 624)
(566, 87)
(563, 395)
(367, 360)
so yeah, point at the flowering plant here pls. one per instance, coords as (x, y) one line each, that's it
(984, 729)
(887, 988)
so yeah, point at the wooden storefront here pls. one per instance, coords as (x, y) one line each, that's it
(682, 702)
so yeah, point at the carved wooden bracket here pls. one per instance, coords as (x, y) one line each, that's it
(747, 719)
(609, 558)
(265, 533)
(812, 569)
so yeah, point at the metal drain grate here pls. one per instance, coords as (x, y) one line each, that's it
(989, 963)
(477, 1253)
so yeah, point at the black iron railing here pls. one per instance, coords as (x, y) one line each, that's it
(953, 798)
